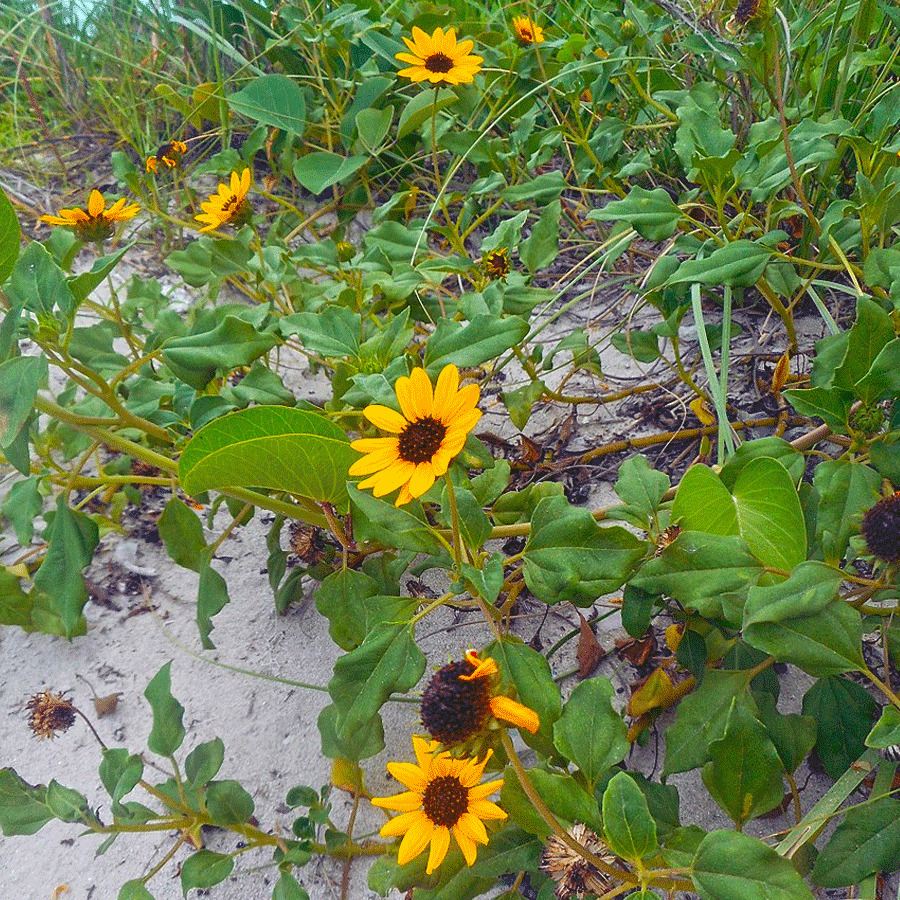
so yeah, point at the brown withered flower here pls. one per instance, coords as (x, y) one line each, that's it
(573, 874)
(881, 528)
(50, 714)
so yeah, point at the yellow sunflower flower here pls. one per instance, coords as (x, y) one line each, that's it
(462, 697)
(170, 154)
(229, 206)
(430, 431)
(439, 58)
(444, 797)
(96, 222)
(526, 31)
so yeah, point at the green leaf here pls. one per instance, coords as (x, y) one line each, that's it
(702, 503)
(10, 235)
(882, 381)
(320, 169)
(628, 827)
(542, 246)
(641, 489)
(37, 283)
(333, 331)
(22, 506)
(23, 807)
(20, 379)
(870, 333)
(388, 660)
(732, 866)
(71, 537)
(564, 797)
(769, 514)
(811, 587)
(846, 490)
(203, 762)
(273, 447)
(168, 727)
(640, 345)
(542, 189)
(212, 596)
(372, 126)
(134, 890)
(590, 733)
(273, 100)
(82, 286)
(831, 406)
(702, 718)
(484, 338)
(120, 771)
(793, 735)
(826, 643)
(519, 402)
(652, 214)
(744, 772)
(204, 869)
(886, 731)
(698, 569)
(637, 610)
(341, 598)
(844, 712)
(570, 557)
(738, 264)
(420, 108)
(288, 888)
(773, 447)
(530, 673)
(182, 534)
(867, 841)
(68, 805)
(337, 744)
(197, 358)
(402, 527)
(228, 803)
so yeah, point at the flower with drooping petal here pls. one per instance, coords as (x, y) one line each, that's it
(438, 58)
(526, 31)
(169, 154)
(444, 799)
(96, 222)
(429, 431)
(462, 697)
(228, 206)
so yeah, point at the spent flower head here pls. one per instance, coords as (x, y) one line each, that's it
(97, 222)
(169, 155)
(50, 714)
(573, 874)
(881, 528)
(496, 264)
(463, 697)
(428, 432)
(444, 799)
(439, 58)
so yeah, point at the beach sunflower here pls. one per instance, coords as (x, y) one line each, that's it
(96, 223)
(229, 205)
(50, 714)
(526, 31)
(439, 58)
(496, 264)
(462, 697)
(169, 154)
(881, 529)
(429, 431)
(444, 798)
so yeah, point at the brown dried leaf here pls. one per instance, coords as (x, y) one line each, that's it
(589, 651)
(637, 652)
(106, 706)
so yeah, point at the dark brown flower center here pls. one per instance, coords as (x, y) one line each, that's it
(881, 528)
(438, 62)
(445, 800)
(452, 709)
(421, 439)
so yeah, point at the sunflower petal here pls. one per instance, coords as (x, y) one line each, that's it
(472, 827)
(409, 774)
(96, 204)
(385, 418)
(399, 824)
(392, 477)
(484, 809)
(440, 844)
(421, 480)
(424, 751)
(466, 844)
(511, 711)
(415, 840)
(408, 801)
(422, 395)
(445, 389)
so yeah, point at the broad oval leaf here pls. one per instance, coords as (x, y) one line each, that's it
(274, 447)
(652, 214)
(274, 100)
(628, 827)
(10, 234)
(738, 264)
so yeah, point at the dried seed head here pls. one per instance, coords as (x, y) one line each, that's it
(881, 528)
(745, 11)
(453, 709)
(50, 714)
(573, 874)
